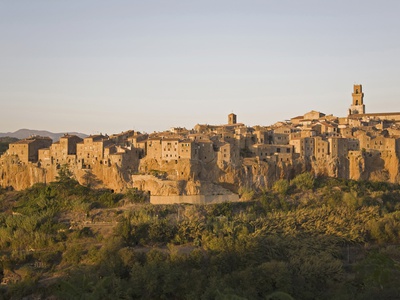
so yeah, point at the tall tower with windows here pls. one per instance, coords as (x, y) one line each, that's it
(358, 106)
(231, 119)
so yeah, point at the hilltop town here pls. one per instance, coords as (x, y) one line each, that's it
(213, 160)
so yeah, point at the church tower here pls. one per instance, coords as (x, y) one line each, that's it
(358, 106)
(231, 119)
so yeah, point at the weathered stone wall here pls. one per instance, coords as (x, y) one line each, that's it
(194, 199)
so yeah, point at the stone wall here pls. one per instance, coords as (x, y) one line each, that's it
(194, 199)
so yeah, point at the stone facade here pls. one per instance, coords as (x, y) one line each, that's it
(61, 152)
(27, 150)
(359, 146)
(91, 150)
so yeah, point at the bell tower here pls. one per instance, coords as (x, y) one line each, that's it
(231, 119)
(357, 106)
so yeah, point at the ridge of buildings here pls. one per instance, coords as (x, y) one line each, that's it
(313, 135)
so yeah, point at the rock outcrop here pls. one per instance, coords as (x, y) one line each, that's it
(193, 177)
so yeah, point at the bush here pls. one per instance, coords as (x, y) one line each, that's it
(136, 196)
(107, 199)
(281, 186)
(246, 194)
(304, 181)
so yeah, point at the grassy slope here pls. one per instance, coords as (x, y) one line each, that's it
(335, 239)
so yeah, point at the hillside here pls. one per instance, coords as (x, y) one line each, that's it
(25, 133)
(307, 239)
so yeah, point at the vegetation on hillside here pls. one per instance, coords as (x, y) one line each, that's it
(305, 239)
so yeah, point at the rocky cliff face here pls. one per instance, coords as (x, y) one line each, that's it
(207, 178)
(361, 165)
(20, 176)
(374, 165)
(185, 177)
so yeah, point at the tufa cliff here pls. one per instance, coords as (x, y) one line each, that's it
(188, 177)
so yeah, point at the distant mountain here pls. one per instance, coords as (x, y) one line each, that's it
(24, 133)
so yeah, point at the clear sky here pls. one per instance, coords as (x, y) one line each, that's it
(107, 66)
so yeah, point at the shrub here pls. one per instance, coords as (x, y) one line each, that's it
(246, 194)
(304, 181)
(136, 196)
(281, 186)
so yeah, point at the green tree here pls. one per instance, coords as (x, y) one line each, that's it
(64, 174)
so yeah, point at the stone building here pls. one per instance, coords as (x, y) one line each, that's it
(61, 152)
(313, 115)
(306, 147)
(91, 150)
(321, 147)
(122, 138)
(123, 157)
(228, 153)
(338, 147)
(206, 151)
(138, 141)
(328, 129)
(169, 149)
(280, 138)
(188, 149)
(281, 135)
(154, 148)
(353, 144)
(27, 149)
(267, 152)
(262, 136)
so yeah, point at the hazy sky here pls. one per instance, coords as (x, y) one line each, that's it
(108, 66)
